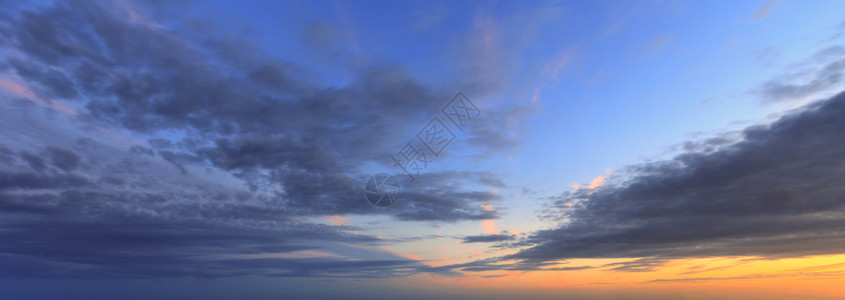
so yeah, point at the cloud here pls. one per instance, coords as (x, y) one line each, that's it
(29, 180)
(554, 67)
(238, 109)
(766, 56)
(434, 204)
(261, 144)
(337, 220)
(35, 162)
(63, 158)
(7, 155)
(429, 16)
(639, 265)
(68, 223)
(488, 238)
(765, 9)
(775, 192)
(822, 71)
(494, 264)
(653, 45)
(597, 182)
(137, 149)
(803, 274)
(321, 35)
(827, 77)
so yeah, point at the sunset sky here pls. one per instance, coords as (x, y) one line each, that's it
(579, 149)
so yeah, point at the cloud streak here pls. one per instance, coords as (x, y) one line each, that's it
(821, 72)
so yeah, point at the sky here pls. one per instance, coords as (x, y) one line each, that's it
(422, 149)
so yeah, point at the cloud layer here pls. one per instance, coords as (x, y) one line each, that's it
(238, 148)
(777, 192)
(214, 100)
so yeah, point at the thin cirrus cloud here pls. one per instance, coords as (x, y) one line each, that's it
(820, 72)
(653, 45)
(765, 9)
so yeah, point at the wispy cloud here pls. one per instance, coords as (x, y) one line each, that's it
(653, 45)
(765, 9)
(822, 71)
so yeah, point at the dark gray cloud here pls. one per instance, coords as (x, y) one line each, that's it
(35, 162)
(159, 143)
(207, 102)
(29, 180)
(67, 224)
(7, 155)
(120, 244)
(180, 159)
(489, 238)
(238, 109)
(63, 158)
(777, 192)
(141, 150)
(55, 83)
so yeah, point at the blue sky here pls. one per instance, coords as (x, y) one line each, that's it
(153, 145)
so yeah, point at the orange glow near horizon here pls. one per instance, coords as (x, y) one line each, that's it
(818, 277)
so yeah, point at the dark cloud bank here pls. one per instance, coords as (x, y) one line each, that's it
(209, 101)
(264, 120)
(778, 192)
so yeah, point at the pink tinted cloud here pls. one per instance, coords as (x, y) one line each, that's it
(337, 220)
(27, 93)
(136, 15)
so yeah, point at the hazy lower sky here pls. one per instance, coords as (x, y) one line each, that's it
(512, 149)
